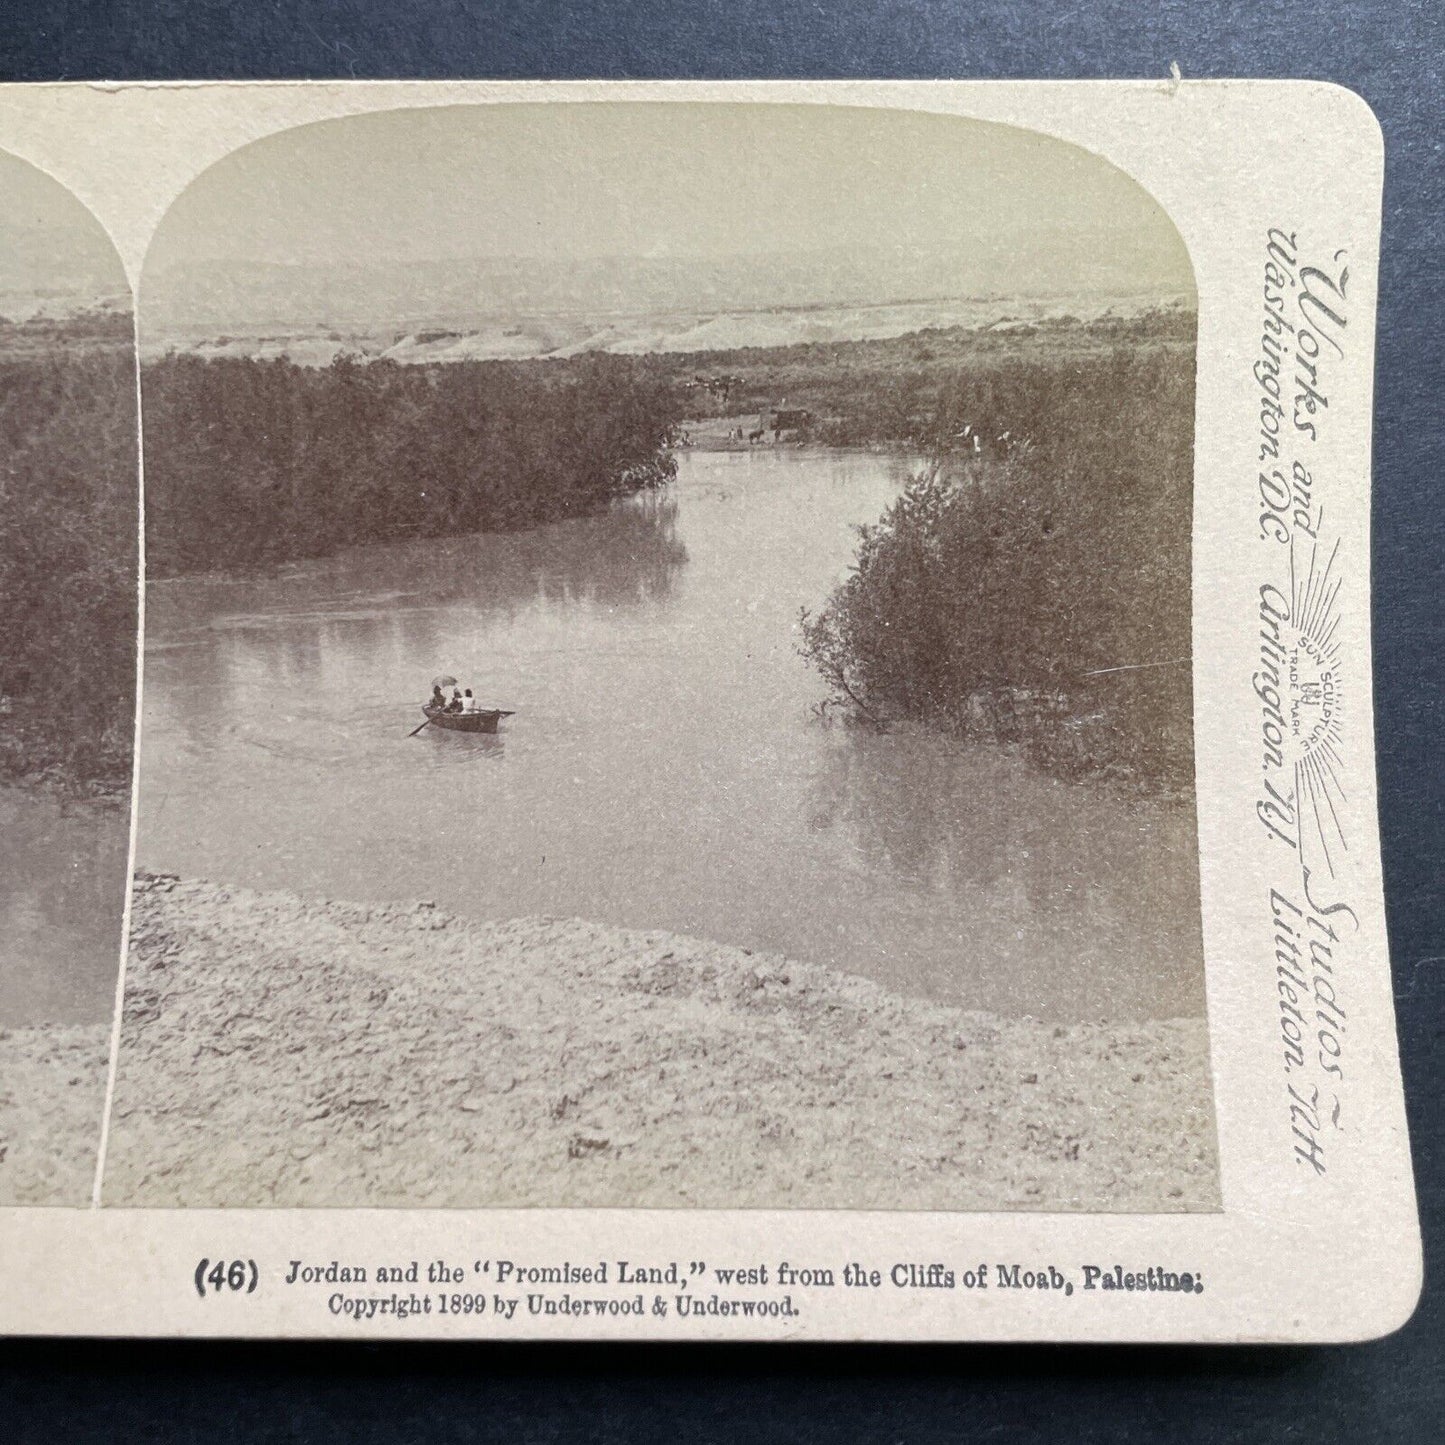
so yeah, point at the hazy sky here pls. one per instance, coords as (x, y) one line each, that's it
(48, 240)
(694, 182)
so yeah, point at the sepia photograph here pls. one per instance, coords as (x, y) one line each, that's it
(668, 672)
(69, 523)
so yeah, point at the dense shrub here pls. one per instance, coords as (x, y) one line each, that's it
(251, 461)
(1037, 591)
(890, 391)
(68, 582)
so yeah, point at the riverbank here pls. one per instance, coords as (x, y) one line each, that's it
(52, 1095)
(281, 1052)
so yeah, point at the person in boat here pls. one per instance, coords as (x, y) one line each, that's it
(438, 698)
(455, 705)
(469, 703)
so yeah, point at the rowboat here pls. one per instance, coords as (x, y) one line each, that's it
(484, 721)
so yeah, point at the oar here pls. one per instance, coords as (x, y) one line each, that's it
(415, 731)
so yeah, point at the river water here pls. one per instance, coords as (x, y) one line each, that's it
(664, 769)
(62, 894)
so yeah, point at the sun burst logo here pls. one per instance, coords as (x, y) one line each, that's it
(1315, 705)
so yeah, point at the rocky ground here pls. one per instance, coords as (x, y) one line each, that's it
(280, 1052)
(52, 1095)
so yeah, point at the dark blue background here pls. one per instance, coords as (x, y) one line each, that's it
(1393, 1390)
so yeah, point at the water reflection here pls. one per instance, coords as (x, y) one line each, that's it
(463, 750)
(62, 891)
(629, 554)
(220, 642)
(1098, 891)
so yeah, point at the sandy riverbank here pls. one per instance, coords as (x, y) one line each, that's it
(278, 1052)
(52, 1094)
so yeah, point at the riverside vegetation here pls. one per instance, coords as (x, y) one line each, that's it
(254, 462)
(891, 393)
(1033, 586)
(1035, 593)
(68, 583)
